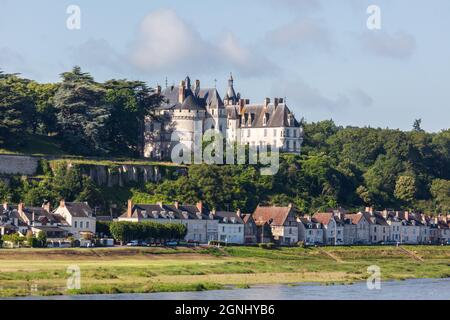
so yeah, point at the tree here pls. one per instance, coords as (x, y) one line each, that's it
(130, 102)
(405, 189)
(417, 125)
(440, 190)
(42, 238)
(16, 109)
(5, 192)
(82, 113)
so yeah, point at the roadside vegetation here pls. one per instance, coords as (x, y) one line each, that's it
(138, 270)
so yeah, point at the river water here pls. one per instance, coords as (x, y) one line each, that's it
(417, 289)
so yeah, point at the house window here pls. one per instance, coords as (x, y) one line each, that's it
(223, 229)
(81, 224)
(75, 224)
(87, 224)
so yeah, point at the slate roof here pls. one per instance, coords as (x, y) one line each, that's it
(228, 217)
(165, 211)
(193, 100)
(276, 116)
(79, 209)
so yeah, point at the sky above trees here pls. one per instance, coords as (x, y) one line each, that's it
(319, 54)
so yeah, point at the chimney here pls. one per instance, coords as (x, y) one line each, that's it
(130, 208)
(385, 214)
(181, 91)
(5, 205)
(275, 102)
(32, 218)
(177, 205)
(238, 212)
(47, 206)
(290, 205)
(406, 215)
(62, 203)
(158, 89)
(20, 207)
(197, 87)
(200, 206)
(369, 209)
(266, 102)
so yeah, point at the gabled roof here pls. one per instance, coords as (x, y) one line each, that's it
(227, 217)
(247, 217)
(165, 211)
(79, 209)
(273, 215)
(276, 116)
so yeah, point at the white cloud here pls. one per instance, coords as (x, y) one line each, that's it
(399, 45)
(168, 43)
(301, 33)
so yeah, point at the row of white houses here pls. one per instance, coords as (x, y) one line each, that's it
(286, 226)
(69, 219)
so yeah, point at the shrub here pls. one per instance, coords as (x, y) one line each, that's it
(268, 245)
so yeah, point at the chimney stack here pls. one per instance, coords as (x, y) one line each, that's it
(47, 206)
(177, 205)
(5, 205)
(158, 89)
(238, 212)
(20, 207)
(130, 208)
(266, 102)
(369, 209)
(385, 214)
(200, 206)
(406, 215)
(275, 102)
(197, 87)
(62, 203)
(181, 92)
(32, 218)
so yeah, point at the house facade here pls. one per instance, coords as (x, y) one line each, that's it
(79, 217)
(230, 227)
(282, 221)
(310, 231)
(333, 227)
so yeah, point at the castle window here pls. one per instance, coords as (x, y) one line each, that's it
(265, 132)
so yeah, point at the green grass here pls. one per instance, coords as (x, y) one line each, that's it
(140, 270)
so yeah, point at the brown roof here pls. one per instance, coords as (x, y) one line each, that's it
(273, 215)
(247, 217)
(323, 217)
(354, 218)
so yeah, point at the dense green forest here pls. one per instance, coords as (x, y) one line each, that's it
(339, 166)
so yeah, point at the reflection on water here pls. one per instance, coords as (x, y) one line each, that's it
(419, 289)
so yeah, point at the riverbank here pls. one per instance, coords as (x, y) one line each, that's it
(25, 272)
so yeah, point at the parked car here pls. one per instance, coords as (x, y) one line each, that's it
(133, 243)
(171, 243)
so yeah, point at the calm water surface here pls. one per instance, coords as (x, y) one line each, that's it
(418, 289)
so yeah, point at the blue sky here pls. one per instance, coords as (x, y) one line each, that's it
(318, 54)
